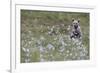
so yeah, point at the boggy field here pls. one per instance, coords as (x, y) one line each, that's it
(45, 36)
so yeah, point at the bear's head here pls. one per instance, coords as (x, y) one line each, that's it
(75, 23)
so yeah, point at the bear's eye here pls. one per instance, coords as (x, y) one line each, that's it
(74, 23)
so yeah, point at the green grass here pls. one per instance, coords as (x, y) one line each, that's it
(35, 26)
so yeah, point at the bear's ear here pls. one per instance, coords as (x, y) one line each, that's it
(73, 19)
(78, 20)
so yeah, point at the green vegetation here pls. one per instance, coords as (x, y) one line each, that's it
(38, 44)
